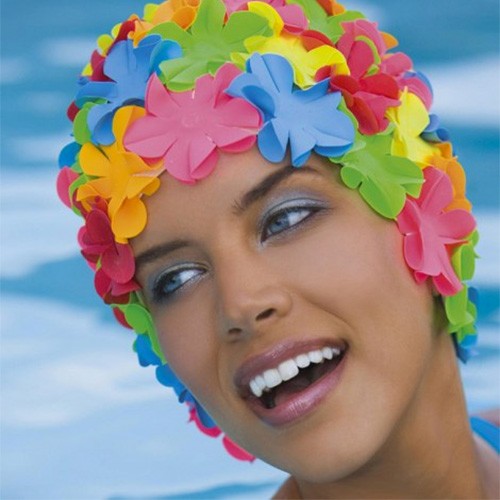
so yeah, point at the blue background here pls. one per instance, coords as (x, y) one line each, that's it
(79, 418)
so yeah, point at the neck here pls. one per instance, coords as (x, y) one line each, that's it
(431, 453)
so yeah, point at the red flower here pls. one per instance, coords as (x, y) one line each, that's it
(431, 233)
(115, 261)
(367, 96)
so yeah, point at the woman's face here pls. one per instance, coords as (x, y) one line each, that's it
(260, 264)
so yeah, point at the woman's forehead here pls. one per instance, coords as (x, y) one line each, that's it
(237, 182)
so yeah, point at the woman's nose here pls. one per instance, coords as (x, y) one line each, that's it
(251, 298)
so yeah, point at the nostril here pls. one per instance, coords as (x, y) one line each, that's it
(234, 331)
(265, 314)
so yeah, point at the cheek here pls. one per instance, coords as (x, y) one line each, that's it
(351, 264)
(189, 344)
(356, 276)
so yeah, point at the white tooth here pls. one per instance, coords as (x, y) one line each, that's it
(272, 377)
(288, 369)
(257, 391)
(327, 352)
(315, 356)
(336, 351)
(302, 360)
(260, 382)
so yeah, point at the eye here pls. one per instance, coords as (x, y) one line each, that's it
(170, 282)
(286, 218)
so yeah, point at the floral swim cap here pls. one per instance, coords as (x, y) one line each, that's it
(167, 91)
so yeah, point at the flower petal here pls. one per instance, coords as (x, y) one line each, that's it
(129, 220)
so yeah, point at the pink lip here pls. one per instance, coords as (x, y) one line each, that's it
(301, 403)
(276, 355)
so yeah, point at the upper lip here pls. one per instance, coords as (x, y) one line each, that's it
(271, 358)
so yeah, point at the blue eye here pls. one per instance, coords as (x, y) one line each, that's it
(171, 282)
(286, 219)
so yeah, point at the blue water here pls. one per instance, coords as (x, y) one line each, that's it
(79, 418)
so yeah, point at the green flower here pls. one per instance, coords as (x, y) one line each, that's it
(208, 44)
(464, 258)
(383, 180)
(460, 310)
(139, 318)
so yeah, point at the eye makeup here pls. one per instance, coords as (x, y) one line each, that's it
(288, 216)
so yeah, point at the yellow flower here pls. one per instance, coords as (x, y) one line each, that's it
(305, 63)
(410, 118)
(119, 177)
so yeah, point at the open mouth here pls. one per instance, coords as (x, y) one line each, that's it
(305, 378)
(295, 386)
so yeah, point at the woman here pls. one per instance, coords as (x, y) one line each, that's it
(269, 204)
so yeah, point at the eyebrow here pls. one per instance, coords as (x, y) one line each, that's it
(261, 190)
(159, 251)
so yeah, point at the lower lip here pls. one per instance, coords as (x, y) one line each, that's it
(301, 403)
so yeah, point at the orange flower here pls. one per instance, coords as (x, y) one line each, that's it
(120, 177)
(450, 166)
(332, 7)
(181, 12)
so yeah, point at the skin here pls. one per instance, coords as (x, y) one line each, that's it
(396, 426)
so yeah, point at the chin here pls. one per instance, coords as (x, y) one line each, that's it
(323, 449)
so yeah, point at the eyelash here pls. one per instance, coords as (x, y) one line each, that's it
(159, 292)
(269, 219)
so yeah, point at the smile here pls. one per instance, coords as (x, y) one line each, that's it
(290, 381)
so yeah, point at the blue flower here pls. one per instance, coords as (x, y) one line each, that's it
(465, 349)
(306, 119)
(129, 69)
(168, 378)
(434, 132)
(144, 350)
(68, 154)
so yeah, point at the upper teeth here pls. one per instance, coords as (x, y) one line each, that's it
(289, 369)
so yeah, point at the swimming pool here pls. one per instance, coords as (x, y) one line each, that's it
(79, 419)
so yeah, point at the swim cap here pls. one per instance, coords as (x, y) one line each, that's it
(169, 90)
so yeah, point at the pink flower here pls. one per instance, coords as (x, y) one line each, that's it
(399, 65)
(114, 262)
(231, 447)
(430, 233)
(357, 30)
(236, 451)
(65, 178)
(188, 128)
